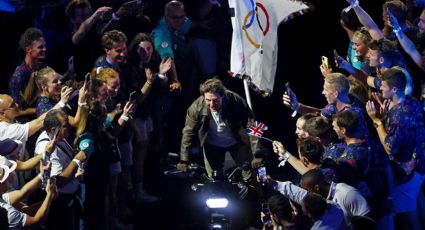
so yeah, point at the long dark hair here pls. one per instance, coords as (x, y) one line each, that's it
(133, 55)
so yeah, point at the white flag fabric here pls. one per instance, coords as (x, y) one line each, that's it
(254, 41)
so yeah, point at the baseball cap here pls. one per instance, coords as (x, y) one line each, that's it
(7, 166)
(9, 147)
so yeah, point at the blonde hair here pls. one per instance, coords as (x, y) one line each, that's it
(106, 74)
(339, 82)
(36, 81)
(364, 35)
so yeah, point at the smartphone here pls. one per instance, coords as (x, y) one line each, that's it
(57, 130)
(131, 97)
(262, 174)
(337, 57)
(290, 94)
(325, 62)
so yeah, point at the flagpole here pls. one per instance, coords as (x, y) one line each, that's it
(265, 138)
(247, 95)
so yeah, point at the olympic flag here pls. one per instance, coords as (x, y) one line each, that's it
(254, 42)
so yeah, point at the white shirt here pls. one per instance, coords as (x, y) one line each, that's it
(349, 199)
(61, 157)
(15, 218)
(14, 131)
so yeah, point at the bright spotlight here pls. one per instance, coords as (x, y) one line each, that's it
(217, 202)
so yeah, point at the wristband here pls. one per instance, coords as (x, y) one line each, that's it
(355, 4)
(124, 117)
(82, 103)
(377, 124)
(284, 158)
(78, 162)
(397, 30)
(162, 76)
(61, 104)
(40, 176)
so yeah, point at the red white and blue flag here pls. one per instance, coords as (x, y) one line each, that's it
(257, 129)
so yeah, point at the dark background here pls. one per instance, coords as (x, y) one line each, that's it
(301, 41)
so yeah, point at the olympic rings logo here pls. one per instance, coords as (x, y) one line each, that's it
(252, 15)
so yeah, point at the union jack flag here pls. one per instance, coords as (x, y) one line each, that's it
(257, 129)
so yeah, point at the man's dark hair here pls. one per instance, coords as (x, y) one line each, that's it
(213, 86)
(350, 19)
(311, 149)
(51, 120)
(314, 177)
(351, 122)
(315, 205)
(394, 78)
(318, 127)
(74, 4)
(279, 205)
(110, 38)
(398, 9)
(388, 50)
(29, 36)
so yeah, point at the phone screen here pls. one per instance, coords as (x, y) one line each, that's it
(262, 174)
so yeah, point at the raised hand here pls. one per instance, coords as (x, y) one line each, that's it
(165, 65)
(371, 110)
(149, 75)
(278, 147)
(65, 93)
(175, 86)
(100, 11)
(290, 100)
(392, 20)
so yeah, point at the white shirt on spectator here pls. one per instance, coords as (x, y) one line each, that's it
(15, 218)
(349, 199)
(61, 157)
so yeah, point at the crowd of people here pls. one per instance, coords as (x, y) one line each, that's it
(101, 84)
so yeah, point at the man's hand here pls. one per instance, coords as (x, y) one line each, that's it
(99, 12)
(51, 188)
(371, 111)
(45, 168)
(128, 9)
(51, 145)
(182, 166)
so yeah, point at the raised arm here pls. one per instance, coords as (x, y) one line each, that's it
(366, 20)
(405, 42)
(43, 211)
(88, 24)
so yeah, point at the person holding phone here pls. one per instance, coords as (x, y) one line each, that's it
(65, 165)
